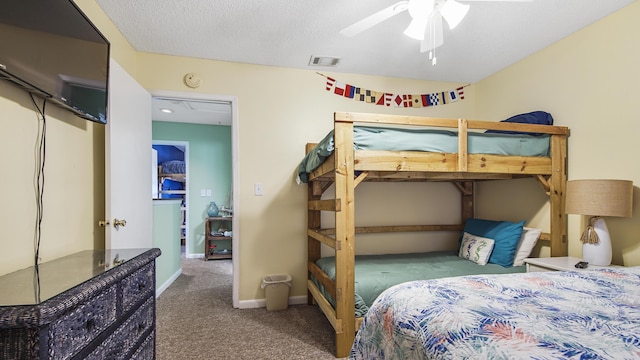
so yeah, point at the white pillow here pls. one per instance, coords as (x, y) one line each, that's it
(475, 248)
(527, 241)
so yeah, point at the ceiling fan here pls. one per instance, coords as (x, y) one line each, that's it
(426, 23)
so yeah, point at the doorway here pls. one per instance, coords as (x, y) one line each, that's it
(170, 179)
(201, 104)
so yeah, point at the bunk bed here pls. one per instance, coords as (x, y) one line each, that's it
(340, 161)
(172, 180)
(172, 170)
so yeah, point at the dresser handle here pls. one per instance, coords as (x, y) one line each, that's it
(141, 327)
(141, 287)
(90, 325)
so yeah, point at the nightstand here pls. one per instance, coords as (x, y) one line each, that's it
(564, 263)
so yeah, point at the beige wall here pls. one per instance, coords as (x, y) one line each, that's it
(74, 170)
(588, 82)
(279, 110)
(73, 181)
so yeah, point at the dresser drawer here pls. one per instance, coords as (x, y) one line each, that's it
(76, 329)
(146, 351)
(137, 286)
(126, 336)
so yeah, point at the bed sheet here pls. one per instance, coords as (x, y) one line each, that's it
(592, 314)
(431, 140)
(376, 273)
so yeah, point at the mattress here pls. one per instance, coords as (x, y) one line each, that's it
(376, 273)
(432, 140)
(541, 315)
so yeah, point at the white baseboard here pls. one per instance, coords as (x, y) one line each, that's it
(194, 256)
(257, 303)
(166, 284)
(298, 300)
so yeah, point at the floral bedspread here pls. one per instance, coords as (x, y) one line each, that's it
(593, 314)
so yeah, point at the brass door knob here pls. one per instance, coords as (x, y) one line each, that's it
(117, 223)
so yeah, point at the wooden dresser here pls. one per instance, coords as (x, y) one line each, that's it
(88, 305)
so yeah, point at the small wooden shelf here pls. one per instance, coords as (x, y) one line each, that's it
(209, 239)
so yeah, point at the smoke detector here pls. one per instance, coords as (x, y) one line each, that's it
(192, 80)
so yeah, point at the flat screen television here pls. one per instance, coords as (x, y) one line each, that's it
(49, 47)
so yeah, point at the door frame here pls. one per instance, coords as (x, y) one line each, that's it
(235, 145)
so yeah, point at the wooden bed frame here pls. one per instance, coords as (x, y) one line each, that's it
(461, 168)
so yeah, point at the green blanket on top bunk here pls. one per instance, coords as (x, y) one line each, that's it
(431, 140)
(376, 273)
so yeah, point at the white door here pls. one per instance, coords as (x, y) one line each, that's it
(127, 159)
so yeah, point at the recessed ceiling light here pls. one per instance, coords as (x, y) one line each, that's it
(165, 110)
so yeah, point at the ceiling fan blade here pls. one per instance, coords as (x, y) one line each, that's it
(433, 34)
(375, 19)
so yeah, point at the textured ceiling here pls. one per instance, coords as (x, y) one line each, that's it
(493, 35)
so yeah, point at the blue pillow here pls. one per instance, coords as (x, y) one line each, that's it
(506, 235)
(534, 117)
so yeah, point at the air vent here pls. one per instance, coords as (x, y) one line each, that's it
(323, 61)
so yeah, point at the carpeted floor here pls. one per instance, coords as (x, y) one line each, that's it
(196, 320)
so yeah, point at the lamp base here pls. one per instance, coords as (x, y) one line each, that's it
(598, 254)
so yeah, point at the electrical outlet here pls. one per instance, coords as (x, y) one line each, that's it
(203, 192)
(257, 189)
(209, 192)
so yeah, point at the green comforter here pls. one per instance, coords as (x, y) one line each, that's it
(411, 139)
(376, 273)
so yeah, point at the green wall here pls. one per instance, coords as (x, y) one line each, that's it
(209, 168)
(166, 237)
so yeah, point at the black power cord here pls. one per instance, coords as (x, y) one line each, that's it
(40, 155)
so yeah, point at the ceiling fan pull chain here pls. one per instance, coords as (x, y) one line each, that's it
(433, 41)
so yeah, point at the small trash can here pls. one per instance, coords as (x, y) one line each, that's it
(276, 289)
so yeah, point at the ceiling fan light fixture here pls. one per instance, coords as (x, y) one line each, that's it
(416, 28)
(434, 37)
(454, 12)
(420, 11)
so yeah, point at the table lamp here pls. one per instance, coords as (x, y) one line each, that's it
(598, 198)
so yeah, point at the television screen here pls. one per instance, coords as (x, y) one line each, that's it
(51, 48)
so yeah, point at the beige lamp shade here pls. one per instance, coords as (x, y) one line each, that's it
(599, 197)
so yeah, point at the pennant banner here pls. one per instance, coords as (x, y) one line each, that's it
(396, 100)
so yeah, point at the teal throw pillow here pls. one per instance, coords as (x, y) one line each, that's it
(506, 235)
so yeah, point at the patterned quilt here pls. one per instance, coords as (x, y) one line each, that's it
(593, 314)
